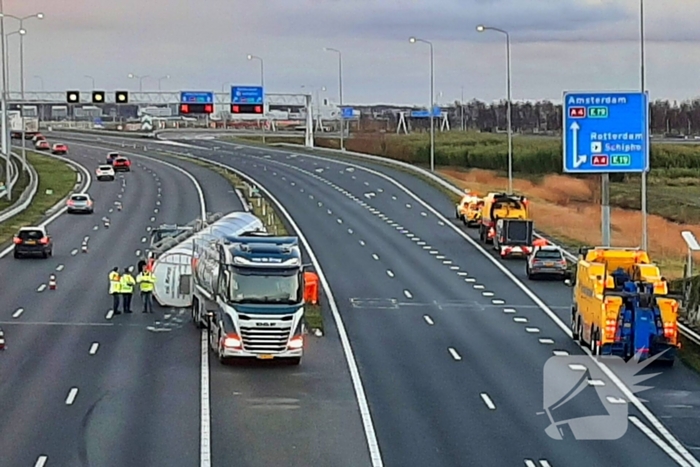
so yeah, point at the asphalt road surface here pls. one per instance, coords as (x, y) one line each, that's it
(262, 414)
(450, 351)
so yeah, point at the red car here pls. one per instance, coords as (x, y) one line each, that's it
(121, 164)
(59, 148)
(42, 145)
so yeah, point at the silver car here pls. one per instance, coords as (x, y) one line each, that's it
(546, 261)
(80, 203)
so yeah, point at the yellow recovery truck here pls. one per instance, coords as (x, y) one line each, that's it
(469, 209)
(621, 305)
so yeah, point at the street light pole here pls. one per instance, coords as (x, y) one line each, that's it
(509, 111)
(262, 85)
(91, 79)
(140, 78)
(3, 102)
(642, 69)
(340, 92)
(432, 100)
(160, 80)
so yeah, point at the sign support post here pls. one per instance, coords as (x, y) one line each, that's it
(604, 133)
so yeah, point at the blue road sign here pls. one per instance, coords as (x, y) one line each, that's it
(197, 97)
(425, 113)
(247, 95)
(606, 132)
(347, 112)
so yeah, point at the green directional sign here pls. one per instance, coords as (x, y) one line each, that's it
(620, 159)
(597, 112)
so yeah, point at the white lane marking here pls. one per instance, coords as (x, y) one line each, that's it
(350, 231)
(143, 239)
(596, 382)
(427, 247)
(71, 396)
(530, 463)
(408, 206)
(74, 252)
(94, 347)
(95, 227)
(153, 218)
(479, 286)
(532, 330)
(560, 353)
(509, 310)
(109, 314)
(362, 243)
(488, 294)
(111, 210)
(469, 279)
(424, 214)
(487, 400)
(615, 400)
(454, 354)
(329, 211)
(394, 198)
(148, 229)
(138, 252)
(462, 274)
(440, 257)
(428, 320)
(658, 441)
(320, 204)
(410, 235)
(41, 288)
(375, 256)
(577, 367)
(434, 252)
(546, 340)
(60, 267)
(421, 243)
(157, 203)
(390, 273)
(447, 262)
(497, 301)
(544, 463)
(407, 294)
(370, 432)
(520, 319)
(340, 221)
(41, 461)
(454, 268)
(18, 313)
(648, 414)
(155, 210)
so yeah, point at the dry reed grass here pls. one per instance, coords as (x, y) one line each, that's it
(563, 207)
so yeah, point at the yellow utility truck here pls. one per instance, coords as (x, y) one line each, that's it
(469, 209)
(621, 305)
(500, 206)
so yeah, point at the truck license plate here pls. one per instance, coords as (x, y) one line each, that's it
(265, 357)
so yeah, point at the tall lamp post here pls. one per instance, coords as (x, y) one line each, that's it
(160, 80)
(340, 92)
(140, 78)
(262, 85)
(22, 33)
(431, 111)
(482, 28)
(642, 70)
(91, 80)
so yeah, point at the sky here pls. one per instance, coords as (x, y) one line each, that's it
(556, 46)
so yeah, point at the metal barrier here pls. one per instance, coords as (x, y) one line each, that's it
(27, 195)
(685, 330)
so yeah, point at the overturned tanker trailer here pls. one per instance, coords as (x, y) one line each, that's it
(172, 248)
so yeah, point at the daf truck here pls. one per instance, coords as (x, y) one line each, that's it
(30, 125)
(249, 293)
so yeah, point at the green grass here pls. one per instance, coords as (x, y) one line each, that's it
(54, 175)
(17, 190)
(313, 313)
(677, 200)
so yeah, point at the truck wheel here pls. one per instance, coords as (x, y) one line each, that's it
(575, 335)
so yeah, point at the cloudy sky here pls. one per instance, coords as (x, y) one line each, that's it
(557, 45)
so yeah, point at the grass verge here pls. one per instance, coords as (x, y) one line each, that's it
(17, 190)
(56, 181)
(265, 211)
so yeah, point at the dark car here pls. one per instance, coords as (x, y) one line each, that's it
(546, 261)
(33, 241)
(121, 164)
(111, 156)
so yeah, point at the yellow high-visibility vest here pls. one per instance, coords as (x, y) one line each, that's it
(114, 283)
(146, 281)
(127, 283)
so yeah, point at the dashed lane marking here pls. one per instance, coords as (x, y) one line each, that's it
(454, 354)
(390, 273)
(487, 400)
(60, 267)
(109, 314)
(72, 394)
(546, 341)
(375, 256)
(94, 347)
(41, 288)
(18, 313)
(407, 293)
(74, 252)
(41, 461)
(428, 320)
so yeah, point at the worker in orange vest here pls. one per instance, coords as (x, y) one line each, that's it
(540, 242)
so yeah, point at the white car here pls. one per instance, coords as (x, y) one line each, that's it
(105, 172)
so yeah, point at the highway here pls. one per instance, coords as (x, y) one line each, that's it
(449, 368)
(309, 412)
(465, 348)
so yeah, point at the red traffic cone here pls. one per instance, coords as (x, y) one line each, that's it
(2, 339)
(52, 282)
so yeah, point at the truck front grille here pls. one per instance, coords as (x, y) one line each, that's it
(266, 339)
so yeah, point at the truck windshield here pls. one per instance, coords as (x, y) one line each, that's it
(260, 286)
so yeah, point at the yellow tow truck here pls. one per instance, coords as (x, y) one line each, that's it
(621, 305)
(468, 210)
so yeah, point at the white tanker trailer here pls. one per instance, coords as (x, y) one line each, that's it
(173, 255)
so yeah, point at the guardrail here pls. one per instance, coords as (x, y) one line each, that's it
(685, 330)
(14, 172)
(27, 195)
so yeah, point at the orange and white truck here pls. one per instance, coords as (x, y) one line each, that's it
(621, 305)
(501, 206)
